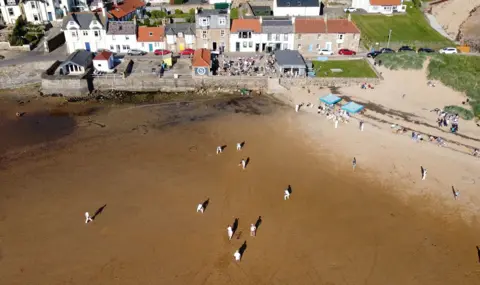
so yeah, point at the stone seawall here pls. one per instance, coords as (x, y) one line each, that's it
(326, 82)
(69, 87)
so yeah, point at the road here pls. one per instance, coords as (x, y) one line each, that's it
(34, 56)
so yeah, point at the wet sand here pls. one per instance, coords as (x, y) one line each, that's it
(151, 166)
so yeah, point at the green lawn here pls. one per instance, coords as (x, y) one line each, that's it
(410, 28)
(351, 68)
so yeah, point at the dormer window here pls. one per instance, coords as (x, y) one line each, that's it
(180, 35)
(204, 22)
(222, 21)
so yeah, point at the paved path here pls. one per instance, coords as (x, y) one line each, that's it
(436, 26)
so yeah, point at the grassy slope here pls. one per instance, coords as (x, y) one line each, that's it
(409, 27)
(351, 68)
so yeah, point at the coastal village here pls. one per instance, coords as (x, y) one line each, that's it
(339, 140)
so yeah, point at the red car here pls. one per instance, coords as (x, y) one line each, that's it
(161, 52)
(345, 51)
(187, 51)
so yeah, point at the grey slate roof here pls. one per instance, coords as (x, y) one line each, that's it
(80, 57)
(175, 28)
(298, 3)
(277, 27)
(288, 58)
(214, 16)
(83, 19)
(210, 12)
(121, 28)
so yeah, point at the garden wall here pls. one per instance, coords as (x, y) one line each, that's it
(6, 45)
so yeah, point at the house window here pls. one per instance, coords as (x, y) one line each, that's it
(299, 36)
(35, 17)
(180, 35)
(157, 44)
(96, 33)
(285, 37)
(277, 37)
(339, 46)
(250, 44)
(10, 11)
(340, 37)
(204, 34)
(299, 46)
(124, 47)
(317, 46)
(222, 21)
(245, 35)
(33, 5)
(85, 33)
(204, 22)
(127, 38)
(143, 45)
(269, 37)
(244, 44)
(319, 36)
(128, 47)
(113, 37)
(222, 33)
(111, 47)
(74, 34)
(99, 65)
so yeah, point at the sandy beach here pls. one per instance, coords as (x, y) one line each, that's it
(152, 165)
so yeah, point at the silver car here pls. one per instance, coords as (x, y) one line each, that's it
(136, 52)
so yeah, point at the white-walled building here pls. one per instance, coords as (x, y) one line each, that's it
(180, 36)
(104, 61)
(150, 38)
(245, 35)
(296, 7)
(277, 34)
(10, 11)
(211, 2)
(380, 6)
(85, 30)
(44, 11)
(121, 36)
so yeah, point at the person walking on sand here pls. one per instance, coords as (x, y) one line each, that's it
(219, 149)
(424, 173)
(336, 123)
(243, 163)
(286, 196)
(456, 193)
(297, 108)
(237, 255)
(361, 125)
(200, 208)
(229, 232)
(354, 163)
(239, 146)
(88, 218)
(253, 230)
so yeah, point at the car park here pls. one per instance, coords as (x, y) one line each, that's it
(136, 52)
(161, 52)
(425, 50)
(386, 50)
(405, 48)
(374, 54)
(187, 51)
(325, 51)
(345, 51)
(350, 10)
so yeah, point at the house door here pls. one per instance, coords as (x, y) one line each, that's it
(257, 47)
(237, 46)
(150, 47)
(214, 45)
(328, 46)
(310, 48)
(181, 46)
(278, 46)
(264, 46)
(50, 17)
(118, 48)
(87, 46)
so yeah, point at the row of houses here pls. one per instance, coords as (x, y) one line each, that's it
(212, 30)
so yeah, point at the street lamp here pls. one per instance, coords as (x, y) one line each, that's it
(389, 36)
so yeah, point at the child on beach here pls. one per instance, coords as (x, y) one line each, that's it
(219, 149)
(88, 218)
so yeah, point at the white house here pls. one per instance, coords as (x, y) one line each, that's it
(121, 36)
(85, 30)
(296, 7)
(245, 35)
(380, 6)
(10, 11)
(277, 34)
(43, 11)
(150, 38)
(212, 2)
(104, 61)
(76, 63)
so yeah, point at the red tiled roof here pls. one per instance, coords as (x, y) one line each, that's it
(385, 2)
(150, 34)
(125, 8)
(319, 26)
(104, 55)
(201, 57)
(246, 25)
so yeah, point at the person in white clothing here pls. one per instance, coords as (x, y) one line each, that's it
(287, 195)
(239, 146)
(297, 108)
(229, 232)
(219, 149)
(200, 208)
(361, 125)
(243, 163)
(336, 123)
(88, 218)
(424, 173)
(253, 230)
(237, 255)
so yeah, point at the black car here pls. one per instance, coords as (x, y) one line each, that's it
(405, 48)
(373, 54)
(426, 50)
(387, 50)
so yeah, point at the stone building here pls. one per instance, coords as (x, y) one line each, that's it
(314, 34)
(213, 29)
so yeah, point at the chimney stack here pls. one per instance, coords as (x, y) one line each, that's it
(293, 20)
(260, 20)
(135, 20)
(104, 12)
(196, 11)
(349, 17)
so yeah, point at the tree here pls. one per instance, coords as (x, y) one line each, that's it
(157, 14)
(17, 37)
(178, 2)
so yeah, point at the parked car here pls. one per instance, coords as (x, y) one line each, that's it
(161, 52)
(448, 50)
(187, 51)
(136, 52)
(374, 53)
(405, 48)
(350, 10)
(386, 50)
(325, 51)
(345, 51)
(426, 50)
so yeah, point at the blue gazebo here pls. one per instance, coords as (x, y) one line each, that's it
(352, 107)
(330, 99)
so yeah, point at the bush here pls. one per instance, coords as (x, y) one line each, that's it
(178, 2)
(17, 37)
(178, 12)
(462, 112)
(234, 13)
(402, 60)
(156, 14)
